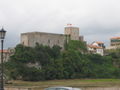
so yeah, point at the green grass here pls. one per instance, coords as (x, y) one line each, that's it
(71, 82)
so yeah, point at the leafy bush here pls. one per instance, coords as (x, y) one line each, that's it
(53, 63)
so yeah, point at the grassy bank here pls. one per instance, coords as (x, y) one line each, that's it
(72, 82)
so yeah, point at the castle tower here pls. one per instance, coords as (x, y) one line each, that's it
(72, 31)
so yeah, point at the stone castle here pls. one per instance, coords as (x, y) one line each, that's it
(49, 39)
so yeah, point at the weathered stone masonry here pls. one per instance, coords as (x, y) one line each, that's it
(50, 39)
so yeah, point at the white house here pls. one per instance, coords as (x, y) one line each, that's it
(96, 48)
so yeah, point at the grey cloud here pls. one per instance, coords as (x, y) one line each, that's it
(97, 19)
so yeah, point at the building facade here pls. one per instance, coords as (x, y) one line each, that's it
(96, 48)
(6, 54)
(115, 41)
(73, 32)
(50, 39)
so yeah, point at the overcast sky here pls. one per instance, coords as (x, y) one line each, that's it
(98, 20)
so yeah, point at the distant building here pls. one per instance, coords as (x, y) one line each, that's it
(6, 54)
(30, 39)
(73, 32)
(112, 47)
(96, 48)
(51, 39)
(114, 43)
(99, 44)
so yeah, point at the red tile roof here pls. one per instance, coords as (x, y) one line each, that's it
(99, 42)
(115, 38)
(94, 46)
(4, 51)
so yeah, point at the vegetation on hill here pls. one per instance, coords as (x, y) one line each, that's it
(45, 63)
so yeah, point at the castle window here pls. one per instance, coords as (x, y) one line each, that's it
(23, 43)
(58, 41)
(48, 41)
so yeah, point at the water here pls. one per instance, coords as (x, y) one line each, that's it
(85, 88)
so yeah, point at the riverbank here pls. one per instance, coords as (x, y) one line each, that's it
(71, 83)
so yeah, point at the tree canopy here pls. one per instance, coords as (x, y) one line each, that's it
(48, 63)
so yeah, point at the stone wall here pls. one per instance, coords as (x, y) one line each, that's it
(49, 39)
(24, 39)
(73, 32)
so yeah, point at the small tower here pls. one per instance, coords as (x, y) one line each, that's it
(72, 31)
